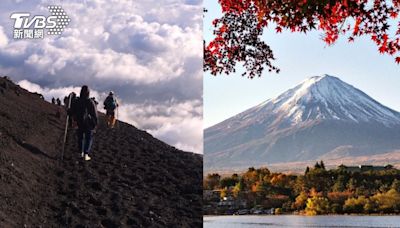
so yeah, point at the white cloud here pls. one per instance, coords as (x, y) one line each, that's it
(3, 38)
(174, 122)
(60, 92)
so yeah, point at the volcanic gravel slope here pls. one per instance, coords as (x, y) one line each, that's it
(133, 179)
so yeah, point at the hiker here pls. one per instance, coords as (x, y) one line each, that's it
(66, 100)
(110, 104)
(58, 102)
(85, 112)
(94, 100)
(72, 117)
(53, 100)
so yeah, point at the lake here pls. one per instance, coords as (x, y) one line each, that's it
(300, 221)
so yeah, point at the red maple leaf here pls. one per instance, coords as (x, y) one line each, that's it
(383, 49)
(241, 16)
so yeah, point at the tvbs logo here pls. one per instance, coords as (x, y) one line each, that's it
(27, 27)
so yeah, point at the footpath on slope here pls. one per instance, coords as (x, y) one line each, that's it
(133, 179)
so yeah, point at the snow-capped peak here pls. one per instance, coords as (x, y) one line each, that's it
(326, 97)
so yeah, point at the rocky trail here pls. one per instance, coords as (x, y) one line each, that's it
(133, 179)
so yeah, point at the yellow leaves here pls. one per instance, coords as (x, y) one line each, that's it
(279, 179)
(301, 200)
(387, 200)
(317, 205)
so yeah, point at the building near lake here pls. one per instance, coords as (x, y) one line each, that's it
(364, 168)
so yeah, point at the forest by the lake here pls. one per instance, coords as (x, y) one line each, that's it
(347, 189)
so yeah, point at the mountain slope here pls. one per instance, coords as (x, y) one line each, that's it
(323, 117)
(133, 179)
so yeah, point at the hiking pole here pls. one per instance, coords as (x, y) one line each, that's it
(117, 119)
(66, 127)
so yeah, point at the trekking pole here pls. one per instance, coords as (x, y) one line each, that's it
(117, 124)
(66, 127)
(117, 119)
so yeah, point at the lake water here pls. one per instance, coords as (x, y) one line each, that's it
(300, 221)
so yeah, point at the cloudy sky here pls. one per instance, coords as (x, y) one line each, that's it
(148, 51)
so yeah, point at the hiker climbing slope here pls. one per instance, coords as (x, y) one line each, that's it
(110, 105)
(72, 117)
(85, 112)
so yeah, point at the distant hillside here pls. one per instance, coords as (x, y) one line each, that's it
(133, 179)
(322, 118)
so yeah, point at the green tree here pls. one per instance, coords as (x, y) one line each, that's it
(212, 181)
(307, 170)
(355, 205)
(351, 185)
(396, 185)
(322, 164)
(237, 189)
(235, 177)
(227, 182)
(340, 184)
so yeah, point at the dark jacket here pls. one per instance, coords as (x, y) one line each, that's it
(78, 110)
(107, 102)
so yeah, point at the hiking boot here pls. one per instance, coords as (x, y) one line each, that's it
(87, 158)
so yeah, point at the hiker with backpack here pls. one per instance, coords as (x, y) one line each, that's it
(110, 105)
(85, 112)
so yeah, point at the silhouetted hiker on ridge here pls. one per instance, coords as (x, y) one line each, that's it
(85, 112)
(110, 105)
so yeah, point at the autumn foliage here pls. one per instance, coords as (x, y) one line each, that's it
(317, 191)
(238, 32)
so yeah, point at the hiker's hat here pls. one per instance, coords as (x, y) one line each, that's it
(111, 93)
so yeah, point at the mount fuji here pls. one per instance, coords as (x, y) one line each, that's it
(322, 118)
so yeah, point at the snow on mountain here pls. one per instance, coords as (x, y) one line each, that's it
(322, 97)
(328, 97)
(321, 116)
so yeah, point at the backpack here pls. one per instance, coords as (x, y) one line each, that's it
(87, 119)
(111, 103)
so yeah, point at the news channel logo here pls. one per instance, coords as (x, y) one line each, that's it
(28, 26)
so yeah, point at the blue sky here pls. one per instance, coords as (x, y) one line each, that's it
(299, 56)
